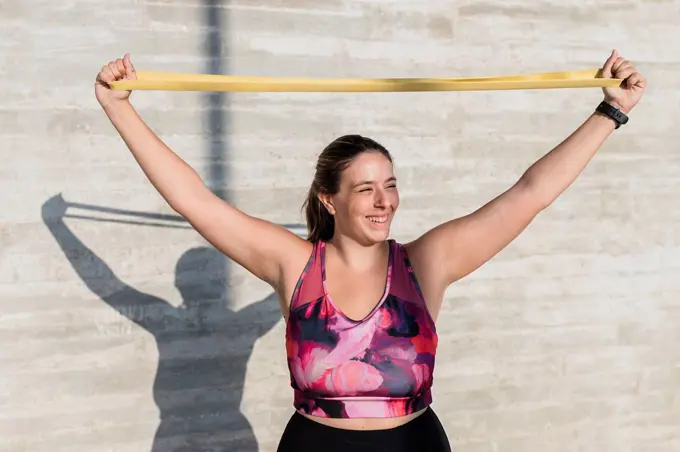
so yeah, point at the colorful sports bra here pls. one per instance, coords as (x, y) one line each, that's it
(380, 366)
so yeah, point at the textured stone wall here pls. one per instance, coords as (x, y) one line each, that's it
(123, 331)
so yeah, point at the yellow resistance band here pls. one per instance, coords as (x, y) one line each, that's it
(172, 81)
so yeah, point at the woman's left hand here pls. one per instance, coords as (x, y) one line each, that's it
(628, 94)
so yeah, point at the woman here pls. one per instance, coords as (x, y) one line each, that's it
(360, 308)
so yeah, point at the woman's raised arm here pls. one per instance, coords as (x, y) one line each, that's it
(258, 245)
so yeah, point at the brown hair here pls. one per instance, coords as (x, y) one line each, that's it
(332, 161)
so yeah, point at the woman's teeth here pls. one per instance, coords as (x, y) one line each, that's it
(378, 219)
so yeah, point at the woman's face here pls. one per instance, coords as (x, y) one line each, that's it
(367, 200)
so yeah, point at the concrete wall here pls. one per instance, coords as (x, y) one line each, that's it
(113, 314)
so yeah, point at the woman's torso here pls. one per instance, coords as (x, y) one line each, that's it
(357, 371)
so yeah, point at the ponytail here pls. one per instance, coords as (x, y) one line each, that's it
(320, 223)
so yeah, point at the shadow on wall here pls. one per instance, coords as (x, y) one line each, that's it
(203, 346)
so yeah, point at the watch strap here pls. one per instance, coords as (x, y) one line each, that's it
(614, 113)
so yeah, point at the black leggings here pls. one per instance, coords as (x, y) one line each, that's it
(424, 433)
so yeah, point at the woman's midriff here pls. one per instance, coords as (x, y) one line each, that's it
(366, 423)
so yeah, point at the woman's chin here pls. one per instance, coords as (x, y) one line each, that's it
(378, 232)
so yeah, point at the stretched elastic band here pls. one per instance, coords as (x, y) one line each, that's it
(173, 81)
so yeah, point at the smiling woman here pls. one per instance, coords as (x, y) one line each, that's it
(360, 339)
(361, 308)
(354, 186)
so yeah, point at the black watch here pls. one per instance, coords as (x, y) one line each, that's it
(617, 115)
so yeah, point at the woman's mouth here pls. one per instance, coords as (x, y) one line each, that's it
(378, 219)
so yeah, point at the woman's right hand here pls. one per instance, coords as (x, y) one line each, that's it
(120, 69)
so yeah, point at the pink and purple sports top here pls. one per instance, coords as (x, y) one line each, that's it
(380, 366)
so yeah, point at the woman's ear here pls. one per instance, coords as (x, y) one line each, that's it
(327, 203)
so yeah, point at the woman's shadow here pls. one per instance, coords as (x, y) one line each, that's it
(203, 346)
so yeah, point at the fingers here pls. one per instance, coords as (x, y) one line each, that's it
(607, 68)
(619, 67)
(106, 75)
(615, 65)
(116, 70)
(120, 67)
(625, 70)
(130, 72)
(636, 80)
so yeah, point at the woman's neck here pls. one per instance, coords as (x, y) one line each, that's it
(357, 256)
